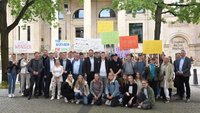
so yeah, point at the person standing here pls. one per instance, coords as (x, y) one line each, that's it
(152, 72)
(35, 68)
(115, 67)
(96, 91)
(89, 66)
(128, 67)
(12, 71)
(49, 64)
(183, 70)
(24, 74)
(77, 66)
(140, 66)
(177, 77)
(102, 68)
(66, 63)
(57, 72)
(166, 73)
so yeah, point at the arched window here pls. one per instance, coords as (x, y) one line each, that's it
(78, 14)
(107, 13)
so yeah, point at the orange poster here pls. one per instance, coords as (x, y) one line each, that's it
(128, 42)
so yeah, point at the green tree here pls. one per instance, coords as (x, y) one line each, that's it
(27, 10)
(185, 10)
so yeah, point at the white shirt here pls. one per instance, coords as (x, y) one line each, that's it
(103, 68)
(181, 64)
(145, 92)
(92, 63)
(64, 63)
(57, 72)
(52, 63)
(23, 63)
(71, 59)
(76, 66)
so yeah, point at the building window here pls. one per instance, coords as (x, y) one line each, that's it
(136, 29)
(18, 32)
(137, 12)
(79, 14)
(107, 13)
(61, 16)
(79, 32)
(59, 33)
(28, 33)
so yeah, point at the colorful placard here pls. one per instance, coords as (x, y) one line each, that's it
(152, 46)
(110, 38)
(62, 45)
(105, 26)
(23, 47)
(128, 42)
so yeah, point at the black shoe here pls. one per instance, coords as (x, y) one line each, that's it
(187, 100)
(29, 98)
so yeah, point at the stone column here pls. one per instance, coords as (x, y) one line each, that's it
(87, 19)
(121, 23)
(54, 32)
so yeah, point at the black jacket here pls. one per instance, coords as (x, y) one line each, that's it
(87, 65)
(97, 66)
(47, 67)
(68, 67)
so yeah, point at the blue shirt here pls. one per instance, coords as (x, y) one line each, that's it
(181, 64)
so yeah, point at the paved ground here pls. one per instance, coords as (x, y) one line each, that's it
(41, 105)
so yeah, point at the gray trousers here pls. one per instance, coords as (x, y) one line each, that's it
(25, 81)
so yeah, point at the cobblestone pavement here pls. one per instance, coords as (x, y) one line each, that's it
(41, 105)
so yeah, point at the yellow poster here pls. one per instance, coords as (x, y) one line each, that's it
(105, 26)
(152, 46)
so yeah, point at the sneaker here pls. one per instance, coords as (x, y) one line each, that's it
(72, 101)
(167, 101)
(187, 100)
(126, 105)
(139, 107)
(108, 102)
(92, 102)
(78, 101)
(13, 95)
(65, 99)
(58, 97)
(52, 98)
(9, 95)
(22, 94)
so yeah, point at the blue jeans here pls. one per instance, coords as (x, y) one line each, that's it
(11, 82)
(84, 97)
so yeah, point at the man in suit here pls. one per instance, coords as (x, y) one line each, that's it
(49, 64)
(183, 70)
(177, 79)
(102, 68)
(89, 66)
(66, 63)
(77, 66)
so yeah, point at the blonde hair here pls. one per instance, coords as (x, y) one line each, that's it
(77, 84)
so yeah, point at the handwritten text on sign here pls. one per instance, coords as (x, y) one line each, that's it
(23, 47)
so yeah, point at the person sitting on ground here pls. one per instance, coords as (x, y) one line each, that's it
(81, 90)
(112, 91)
(67, 90)
(130, 93)
(146, 98)
(96, 90)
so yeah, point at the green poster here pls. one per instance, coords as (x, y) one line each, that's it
(110, 38)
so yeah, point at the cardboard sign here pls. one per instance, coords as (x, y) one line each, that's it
(62, 45)
(105, 26)
(23, 47)
(110, 38)
(128, 42)
(152, 46)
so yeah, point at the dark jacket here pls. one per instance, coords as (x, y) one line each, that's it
(186, 66)
(68, 67)
(150, 92)
(97, 66)
(66, 89)
(35, 65)
(80, 68)
(47, 67)
(12, 67)
(87, 65)
(134, 90)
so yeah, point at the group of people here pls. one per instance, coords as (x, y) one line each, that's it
(97, 78)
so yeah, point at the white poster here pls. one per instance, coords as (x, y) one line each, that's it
(84, 45)
(62, 45)
(23, 47)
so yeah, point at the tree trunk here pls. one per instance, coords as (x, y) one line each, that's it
(4, 54)
(158, 21)
(4, 38)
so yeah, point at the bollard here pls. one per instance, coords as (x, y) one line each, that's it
(195, 78)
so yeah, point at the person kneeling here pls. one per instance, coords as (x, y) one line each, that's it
(96, 90)
(112, 91)
(129, 98)
(67, 89)
(146, 96)
(81, 90)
